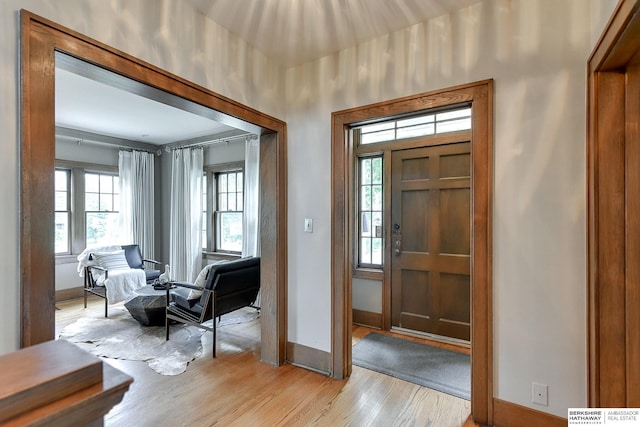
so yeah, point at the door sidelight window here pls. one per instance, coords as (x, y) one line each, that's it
(370, 226)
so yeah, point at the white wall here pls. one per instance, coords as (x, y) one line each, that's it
(224, 153)
(166, 33)
(67, 275)
(366, 295)
(86, 153)
(536, 50)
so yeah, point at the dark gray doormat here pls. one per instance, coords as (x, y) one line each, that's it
(443, 370)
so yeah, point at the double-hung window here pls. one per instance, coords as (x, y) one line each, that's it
(223, 204)
(87, 204)
(228, 217)
(102, 204)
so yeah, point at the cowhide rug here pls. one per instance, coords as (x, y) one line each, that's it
(121, 337)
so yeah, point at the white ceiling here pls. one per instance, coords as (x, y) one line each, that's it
(297, 31)
(90, 106)
(288, 31)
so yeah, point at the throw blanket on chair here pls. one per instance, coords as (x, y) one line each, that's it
(120, 284)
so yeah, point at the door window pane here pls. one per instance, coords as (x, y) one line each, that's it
(370, 212)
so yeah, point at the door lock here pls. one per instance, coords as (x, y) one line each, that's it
(397, 237)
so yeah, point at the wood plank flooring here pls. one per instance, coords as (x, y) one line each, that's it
(236, 389)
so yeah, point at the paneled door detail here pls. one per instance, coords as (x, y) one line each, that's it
(431, 239)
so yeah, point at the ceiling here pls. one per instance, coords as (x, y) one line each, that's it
(290, 32)
(296, 31)
(87, 105)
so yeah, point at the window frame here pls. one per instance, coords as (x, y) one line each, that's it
(212, 173)
(67, 210)
(77, 201)
(204, 233)
(395, 127)
(384, 148)
(360, 265)
(113, 194)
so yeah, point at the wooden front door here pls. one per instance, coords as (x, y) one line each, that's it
(431, 239)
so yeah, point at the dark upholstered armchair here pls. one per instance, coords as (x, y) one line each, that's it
(135, 260)
(94, 269)
(229, 286)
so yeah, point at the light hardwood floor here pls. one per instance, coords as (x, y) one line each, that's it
(236, 389)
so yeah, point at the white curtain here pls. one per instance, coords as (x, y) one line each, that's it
(251, 214)
(185, 244)
(137, 216)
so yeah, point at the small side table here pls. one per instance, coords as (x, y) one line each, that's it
(148, 306)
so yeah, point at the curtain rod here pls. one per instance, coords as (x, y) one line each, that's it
(158, 152)
(123, 147)
(213, 141)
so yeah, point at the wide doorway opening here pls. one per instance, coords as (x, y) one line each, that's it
(41, 40)
(434, 238)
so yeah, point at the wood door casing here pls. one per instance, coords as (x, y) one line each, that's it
(480, 96)
(431, 240)
(613, 156)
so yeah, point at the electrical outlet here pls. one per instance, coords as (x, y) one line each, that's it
(540, 394)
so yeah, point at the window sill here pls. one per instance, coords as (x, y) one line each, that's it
(220, 255)
(66, 259)
(369, 273)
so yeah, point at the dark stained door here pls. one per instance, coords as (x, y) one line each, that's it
(431, 236)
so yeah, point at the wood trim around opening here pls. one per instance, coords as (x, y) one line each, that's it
(40, 39)
(480, 95)
(613, 242)
(511, 414)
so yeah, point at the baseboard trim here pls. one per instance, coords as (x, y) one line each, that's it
(509, 414)
(367, 318)
(309, 358)
(70, 293)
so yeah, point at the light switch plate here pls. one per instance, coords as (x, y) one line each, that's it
(308, 225)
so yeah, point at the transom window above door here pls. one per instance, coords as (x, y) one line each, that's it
(431, 123)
